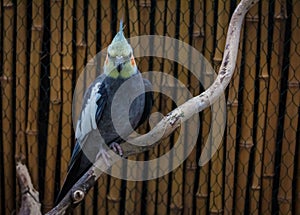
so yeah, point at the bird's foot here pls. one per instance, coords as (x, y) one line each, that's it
(105, 155)
(116, 148)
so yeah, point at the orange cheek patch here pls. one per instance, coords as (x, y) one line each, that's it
(132, 61)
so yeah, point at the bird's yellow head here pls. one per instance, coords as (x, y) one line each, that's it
(119, 61)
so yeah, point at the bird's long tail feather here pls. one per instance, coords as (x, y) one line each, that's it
(79, 165)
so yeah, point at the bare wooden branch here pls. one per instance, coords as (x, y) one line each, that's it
(173, 120)
(29, 195)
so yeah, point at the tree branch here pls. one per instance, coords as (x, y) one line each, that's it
(30, 196)
(173, 120)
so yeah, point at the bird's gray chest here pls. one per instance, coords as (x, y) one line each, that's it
(123, 110)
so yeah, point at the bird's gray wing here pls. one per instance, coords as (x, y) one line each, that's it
(94, 104)
(149, 101)
(91, 113)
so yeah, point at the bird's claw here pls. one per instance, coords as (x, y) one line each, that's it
(105, 155)
(116, 148)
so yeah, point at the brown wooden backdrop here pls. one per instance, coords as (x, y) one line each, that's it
(45, 44)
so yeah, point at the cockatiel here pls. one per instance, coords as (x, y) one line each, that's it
(95, 126)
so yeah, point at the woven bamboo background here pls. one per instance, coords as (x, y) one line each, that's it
(45, 44)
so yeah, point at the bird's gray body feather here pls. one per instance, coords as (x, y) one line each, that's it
(95, 128)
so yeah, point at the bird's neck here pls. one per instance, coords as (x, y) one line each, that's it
(112, 84)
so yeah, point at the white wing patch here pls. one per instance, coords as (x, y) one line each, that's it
(87, 120)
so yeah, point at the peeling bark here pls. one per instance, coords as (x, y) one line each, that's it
(29, 195)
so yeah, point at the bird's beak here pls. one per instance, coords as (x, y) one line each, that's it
(119, 63)
(120, 67)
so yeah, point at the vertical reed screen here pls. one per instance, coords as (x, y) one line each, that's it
(44, 48)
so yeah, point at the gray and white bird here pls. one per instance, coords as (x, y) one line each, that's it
(105, 118)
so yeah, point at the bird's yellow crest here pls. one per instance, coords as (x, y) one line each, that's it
(119, 61)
